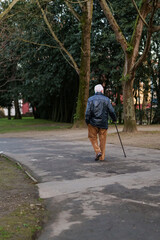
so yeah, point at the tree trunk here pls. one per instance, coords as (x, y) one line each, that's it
(139, 104)
(156, 119)
(9, 112)
(33, 110)
(128, 107)
(17, 110)
(151, 106)
(144, 106)
(84, 76)
(135, 106)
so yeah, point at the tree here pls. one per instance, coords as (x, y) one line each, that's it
(10, 79)
(85, 20)
(56, 18)
(83, 71)
(133, 59)
(84, 75)
(50, 83)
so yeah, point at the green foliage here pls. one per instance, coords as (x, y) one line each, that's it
(49, 83)
(106, 54)
(125, 15)
(129, 49)
(125, 78)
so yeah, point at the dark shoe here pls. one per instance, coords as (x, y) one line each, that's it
(98, 156)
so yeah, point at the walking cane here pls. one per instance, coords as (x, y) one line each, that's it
(120, 140)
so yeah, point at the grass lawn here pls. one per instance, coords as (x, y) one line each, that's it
(30, 124)
(22, 213)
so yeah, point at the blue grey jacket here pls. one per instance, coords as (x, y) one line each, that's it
(98, 108)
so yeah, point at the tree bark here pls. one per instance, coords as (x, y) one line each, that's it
(156, 118)
(9, 112)
(17, 110)
(84, 76)
(128, 107)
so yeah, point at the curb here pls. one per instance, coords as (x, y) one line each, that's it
(21, 167)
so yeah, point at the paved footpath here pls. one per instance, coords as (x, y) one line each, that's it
(115, 200)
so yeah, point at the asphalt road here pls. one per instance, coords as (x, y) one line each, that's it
(115, 200)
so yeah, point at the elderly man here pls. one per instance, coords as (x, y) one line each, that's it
(96, 117)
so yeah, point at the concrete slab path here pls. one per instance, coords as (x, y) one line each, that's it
(118, 199)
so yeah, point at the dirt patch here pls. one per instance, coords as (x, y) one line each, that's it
(140, 139)
(21, 211)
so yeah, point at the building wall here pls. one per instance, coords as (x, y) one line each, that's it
(24, 108)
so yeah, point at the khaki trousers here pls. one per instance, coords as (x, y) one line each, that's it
(102, 134)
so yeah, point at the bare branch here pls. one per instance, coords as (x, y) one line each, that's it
(11, 5)
(66, 59)
(5, 90)
(56, 38)
(148, 41)
(156, 29)
(13, 80)
(72, 10)
(39, 44)
(79, 2)
(143, 20)
(145, 52)
(156, 6)
(119, 35)
(90, 9)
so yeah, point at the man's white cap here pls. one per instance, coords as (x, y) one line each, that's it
(98, 88)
